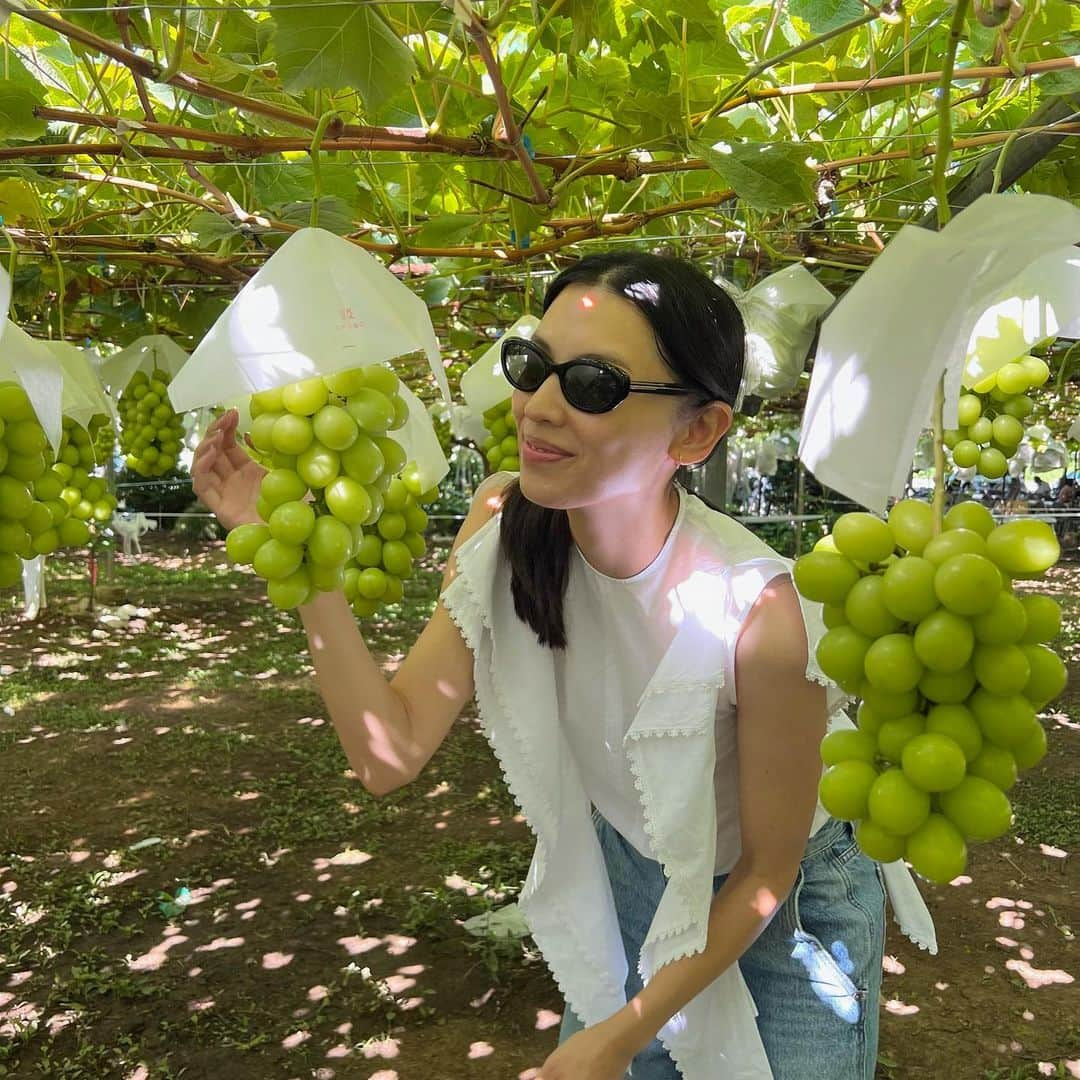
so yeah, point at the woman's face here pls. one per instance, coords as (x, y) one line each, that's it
(612, 455)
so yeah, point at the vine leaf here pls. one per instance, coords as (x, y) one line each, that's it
(17, 119)
(825, 15)
(17, 201)
(767, 176)
(317, 46)
(447, 229)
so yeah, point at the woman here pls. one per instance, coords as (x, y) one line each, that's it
(644, 671)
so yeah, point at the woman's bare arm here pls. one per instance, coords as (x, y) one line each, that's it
(389, 730)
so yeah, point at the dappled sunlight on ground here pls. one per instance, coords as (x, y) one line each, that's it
(188, 852)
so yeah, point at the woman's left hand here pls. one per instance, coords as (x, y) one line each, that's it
(595, 1053)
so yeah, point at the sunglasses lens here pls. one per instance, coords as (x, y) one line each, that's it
(591, 388)
(523, 366)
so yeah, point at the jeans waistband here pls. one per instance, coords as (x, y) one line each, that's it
(825, 837)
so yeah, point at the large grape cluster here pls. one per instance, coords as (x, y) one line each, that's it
(991, 417)
(951, 665)
(47, 502)
(151, 433)
(340, 505)
(501, 446)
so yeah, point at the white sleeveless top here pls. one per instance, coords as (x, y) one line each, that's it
(617, 630)
(566, 898)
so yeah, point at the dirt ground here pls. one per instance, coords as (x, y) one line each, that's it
(320, 931)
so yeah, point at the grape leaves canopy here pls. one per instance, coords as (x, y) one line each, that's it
(153, 155)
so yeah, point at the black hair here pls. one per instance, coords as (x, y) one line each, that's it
(700, 336)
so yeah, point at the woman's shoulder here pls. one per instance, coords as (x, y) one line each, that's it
(722, 542)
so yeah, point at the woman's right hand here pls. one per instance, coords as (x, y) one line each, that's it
(224, 477)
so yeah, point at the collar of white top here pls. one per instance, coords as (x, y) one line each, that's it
(656, 564)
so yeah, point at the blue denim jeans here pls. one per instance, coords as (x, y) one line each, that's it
(814, 973)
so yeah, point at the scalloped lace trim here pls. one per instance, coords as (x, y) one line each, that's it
(715, 683)
(913, 936)
(470, 608)
(463, 607)
(650, 831)
(636, 735)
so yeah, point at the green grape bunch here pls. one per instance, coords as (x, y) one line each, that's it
(340, 504)
(952, 666)
(102, 437)
(151, 432)
(991, 417)
(47, 501)
(500, 448)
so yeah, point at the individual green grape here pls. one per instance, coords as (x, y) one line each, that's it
(292, 433)
(895, 804)
(892, 664)
(1032, 749)
(944, 642)
(967, 584)
(933, 762)
(1024, 549)
(936, 850)
(275, 560)
(956, 541)
(863, 537)
(982, 431)
(887, 705)
(305, 397)
(1047, 675)
(318, 465)
(281, 485)
(292, 522)
(866, 610)
(907, 589)
(1003, 623)
(978, 808)
(1004, 721)
(1042, 618)
(1001, 669)
(894, 735)
(290, 591)
(957, 722)
(876, 843)
(844, 789)
(244, 541)
(825, 577)
(996, 764)
(948, 688)
(968, 409)
(841, 654)
(912, 524)
(848, 745)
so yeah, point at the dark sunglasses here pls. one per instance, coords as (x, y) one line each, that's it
(587, 384)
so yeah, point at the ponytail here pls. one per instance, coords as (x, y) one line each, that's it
(536, 543)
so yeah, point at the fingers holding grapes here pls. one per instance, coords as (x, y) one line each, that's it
(224, 477)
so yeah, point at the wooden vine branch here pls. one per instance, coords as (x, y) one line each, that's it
(885, 82)
(944, 214)
(123, 21)
(360, 137)
(478, 32)
(622, 168)
(414, 140)
(166, 253)
(760, 68)
(194, 85)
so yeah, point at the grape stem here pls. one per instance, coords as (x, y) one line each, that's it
(938, 503)
(942, 153)
(316, 172)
